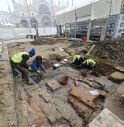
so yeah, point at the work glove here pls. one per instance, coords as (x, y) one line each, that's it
(29, 68)
(43, 68)
(39, 72)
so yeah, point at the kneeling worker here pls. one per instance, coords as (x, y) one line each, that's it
(89, 64)
(19, 62)
(38, 65)
(78, 60)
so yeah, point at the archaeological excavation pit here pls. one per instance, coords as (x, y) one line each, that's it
(67, 97)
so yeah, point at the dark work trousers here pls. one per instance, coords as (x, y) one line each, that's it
(89, 67)
(22, 69)
(77, 62)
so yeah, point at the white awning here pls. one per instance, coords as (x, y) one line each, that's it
(96, 10)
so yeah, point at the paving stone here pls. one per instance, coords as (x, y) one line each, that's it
(68, 113)
(53, 84)
(93, 84)
(51, 112)
(108, 84)
(39, 117)
(46, 104)
(57, 109)
(45, 96)
(118, 76)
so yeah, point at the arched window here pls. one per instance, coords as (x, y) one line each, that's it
(24, 23)
(43, 9)
(22, 14)
(46, 21)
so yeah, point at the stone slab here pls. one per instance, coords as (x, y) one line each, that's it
(45, 96)
(106, 83)
(120, 68)
(106, 119)
(53, 84)
(117, 76)
(114, 104)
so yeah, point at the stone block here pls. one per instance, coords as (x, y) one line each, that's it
(118, 76)
(106, 119)
(120, 68)
(53, 84)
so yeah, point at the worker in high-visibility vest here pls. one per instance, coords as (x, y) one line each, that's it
(78, 60)
(19, 62)
(89, 63)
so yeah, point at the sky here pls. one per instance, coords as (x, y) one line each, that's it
(4, 5)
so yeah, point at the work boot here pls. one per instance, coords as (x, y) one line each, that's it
(28, 82)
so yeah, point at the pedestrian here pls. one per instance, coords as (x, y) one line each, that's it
(19, 62)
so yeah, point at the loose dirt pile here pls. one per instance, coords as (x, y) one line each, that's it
(110, 50)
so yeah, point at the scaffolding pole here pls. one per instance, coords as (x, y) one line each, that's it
(104, 29)
(29, 15)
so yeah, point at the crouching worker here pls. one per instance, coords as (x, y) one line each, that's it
(78, 61)
(89, 64)
(38, 66)
(19, 62)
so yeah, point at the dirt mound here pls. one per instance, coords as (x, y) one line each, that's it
(112, 50)
(43, 41)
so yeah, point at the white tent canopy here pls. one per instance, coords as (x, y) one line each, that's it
(96, 10)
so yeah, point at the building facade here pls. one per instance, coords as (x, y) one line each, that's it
(119, 31)
(5, 18)
(33, 13)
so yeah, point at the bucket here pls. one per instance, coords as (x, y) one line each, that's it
(64, 81)
(84, 74)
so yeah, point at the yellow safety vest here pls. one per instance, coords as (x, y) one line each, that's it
(17, 58)
(90, 61)
(76, 57)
